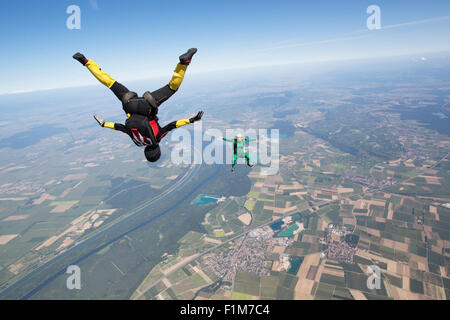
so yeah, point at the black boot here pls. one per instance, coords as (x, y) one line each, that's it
(186, 58)
(80, 58)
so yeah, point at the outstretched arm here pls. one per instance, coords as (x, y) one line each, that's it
(98, 73)
(228, 140)
(111, 125)
(176, 124)
(249, 140)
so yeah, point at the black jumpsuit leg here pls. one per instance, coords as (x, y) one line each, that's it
(169, 89)
(119, 90)
(162, 94)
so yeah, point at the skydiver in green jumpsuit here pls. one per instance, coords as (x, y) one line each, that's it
(239, 149)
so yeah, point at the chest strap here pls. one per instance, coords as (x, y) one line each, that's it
(154, 127)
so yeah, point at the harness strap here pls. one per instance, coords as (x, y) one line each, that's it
(149, 98)
(154, 127)
(139, 139)
(127, 96)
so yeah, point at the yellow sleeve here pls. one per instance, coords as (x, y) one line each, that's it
(109, 125)
(98, 73)
(182, 122)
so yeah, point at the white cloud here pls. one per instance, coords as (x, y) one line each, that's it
(94, 4)
(364, 33)
(411, 23)
(311, 43)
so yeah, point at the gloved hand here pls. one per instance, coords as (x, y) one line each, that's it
(100, 121)
(80, 58)
(197, 117)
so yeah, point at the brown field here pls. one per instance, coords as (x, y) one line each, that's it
(309, 238)
(15, 268)
(344, 190)
(50, 182)
(358, 295)
(13, 168)
(392, 266)
(390, 212)
(395, 244)
(419, 260)
(400, 269)
(91, 165)
(294, 186)
(433, 210)
(75, 176)
(405, 294)
(202, 274)
(334, 272)
(444, 271)
(405, 283)
(4, 239)
(245, 218)
(431, 171)
(66, 242)
(278, 249)
(431, 179)
(166, 282)
(43, 197)
(295, 251)
(351, 221)
(276, 266)
(16, 218)
(373, 232)
(280, 210)
(48, 242)
(62, 208)
(65, 192)
(409, 163)
(108, 212)
(215, 241)
(303, 290)
(309, 260)
(433, 291)
(98, 223)
(312, 272)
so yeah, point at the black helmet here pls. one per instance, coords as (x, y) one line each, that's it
(152, 153)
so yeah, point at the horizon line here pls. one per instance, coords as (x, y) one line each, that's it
(24, 91)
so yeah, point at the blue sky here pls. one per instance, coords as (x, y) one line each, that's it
(143, 39)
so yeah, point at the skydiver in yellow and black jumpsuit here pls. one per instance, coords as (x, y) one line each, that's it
(142, 123)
